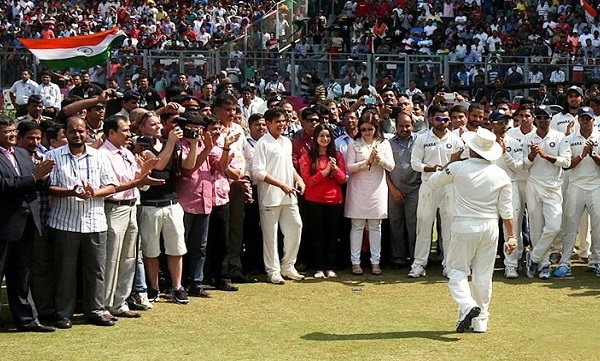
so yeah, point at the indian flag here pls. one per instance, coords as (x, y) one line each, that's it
(77, 52)
(590, 12)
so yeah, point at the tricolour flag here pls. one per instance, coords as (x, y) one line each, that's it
(590, 12)
(78, 51)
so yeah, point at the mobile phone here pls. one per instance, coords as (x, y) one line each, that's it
(370, 101)
(449, 97)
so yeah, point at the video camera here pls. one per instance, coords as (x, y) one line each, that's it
(189, 133)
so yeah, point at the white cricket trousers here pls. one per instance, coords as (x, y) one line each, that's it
(288, 218)
(472, 250)
(576, 201)
(544, 206)
(512, 260)
(430, 200)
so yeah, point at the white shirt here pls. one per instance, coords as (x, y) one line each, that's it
(517, 134)
(334, 90)
(51, 95)
(512, 159)
(430, 150)
(348, 88)
(542, 172)
(274, 158)
(586, 174)
(557, 76)
(481, 189)
(73, 214)
(23, 91)
(561, 121)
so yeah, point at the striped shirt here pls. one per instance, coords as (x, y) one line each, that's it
(74, 214)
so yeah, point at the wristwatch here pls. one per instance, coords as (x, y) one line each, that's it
(593, 154)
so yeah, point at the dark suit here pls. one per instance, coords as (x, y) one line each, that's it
(19, 219)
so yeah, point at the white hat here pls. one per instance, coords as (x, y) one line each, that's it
(483, 142)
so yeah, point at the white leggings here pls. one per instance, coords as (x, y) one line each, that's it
(356, 238)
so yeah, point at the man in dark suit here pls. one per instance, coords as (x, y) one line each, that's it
(19, 219)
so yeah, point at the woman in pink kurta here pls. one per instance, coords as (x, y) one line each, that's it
(368, 157)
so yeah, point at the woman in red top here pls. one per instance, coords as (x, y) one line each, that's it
(323, 171)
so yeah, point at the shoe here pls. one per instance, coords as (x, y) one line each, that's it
(292, 274)
(36, 328)
(196, 290)
(562, 271)
(244, 279)
(530, 267)
(397, 265)
(276, 279)
(445, 272)
(417, 271)
(129, 314)
(356, 270)
(375, 270)
(111, 317)
(64, 323)
(555, 257)
(152, 295)
(510, 272)
(465, 323)
(227, 286)
(544, 273)
(330, 274)
(320, 274)
(180, 296)
(103, 320)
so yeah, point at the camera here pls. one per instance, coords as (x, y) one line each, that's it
(189, 133)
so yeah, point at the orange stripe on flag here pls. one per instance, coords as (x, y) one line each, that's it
(70, 42)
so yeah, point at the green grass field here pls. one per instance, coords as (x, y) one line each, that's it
(391, 318)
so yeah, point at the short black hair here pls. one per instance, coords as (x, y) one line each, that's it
(25, 127)
(5, 121)
(273, 113)
(112, 123)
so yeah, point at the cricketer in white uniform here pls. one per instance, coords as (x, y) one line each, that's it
(431, 151)
(511, 161)
(482, 192)
(582, 193)
(545, 154)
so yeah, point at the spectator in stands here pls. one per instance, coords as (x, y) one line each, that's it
(51, 95)
(20, 92)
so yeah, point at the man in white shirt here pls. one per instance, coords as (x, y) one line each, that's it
(278, 187)
(558, 76)
(334, 89)
(545, 154)
(20, 92)
(351, 89)
(51, 95)
(582, 191)
(431, 152)
(482, 192)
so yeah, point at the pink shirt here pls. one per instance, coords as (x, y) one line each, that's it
(125, 168)
(221, 193)
(195, 192)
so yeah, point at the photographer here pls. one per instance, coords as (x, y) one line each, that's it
(161, 213)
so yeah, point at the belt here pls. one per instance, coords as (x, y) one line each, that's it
(125, 202)
(169, 202)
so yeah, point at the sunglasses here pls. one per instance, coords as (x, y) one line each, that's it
(441, 119)
(147, 115)
(542, 117)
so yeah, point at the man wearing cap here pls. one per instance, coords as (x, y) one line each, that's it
(131, 100)
(582, 191)
(20, 92)
(482, 192)
(545, 154)
(275, 84)
(565, 121)
(511, 161)
(50, 94)
(34, 109)
(431, 151)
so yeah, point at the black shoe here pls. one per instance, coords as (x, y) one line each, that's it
(64, 323)
(103, 320)
(153, 295)
(180, 296)
(37, 328)
(244, 279)
(465, 323)
(197, 291)
(227, 286)
(397, 265)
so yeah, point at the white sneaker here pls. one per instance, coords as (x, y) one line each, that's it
(144, 301)
(292, 274)
(276, 279)
(510, 272)
(320, 274)
(330, 274)
(445, 272)
(417, 271)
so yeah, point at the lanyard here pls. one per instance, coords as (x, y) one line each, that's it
(75, 168)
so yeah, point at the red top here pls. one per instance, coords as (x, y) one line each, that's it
(320, 189)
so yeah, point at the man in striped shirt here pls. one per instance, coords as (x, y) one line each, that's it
(77, 222)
